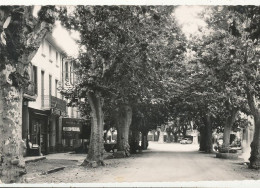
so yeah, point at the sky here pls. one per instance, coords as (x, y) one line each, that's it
(187, 17)
(66, 39)
(63, 37)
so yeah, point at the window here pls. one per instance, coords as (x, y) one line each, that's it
(57, 58)
(72, 73)
(43, 49)
(62, 72)
(42, 88)
(66, 71)
(50, 54)
(56, 86)
(34, 80)
(70, 76)
(50, 85)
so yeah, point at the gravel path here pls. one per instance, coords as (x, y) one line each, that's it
(161, 163)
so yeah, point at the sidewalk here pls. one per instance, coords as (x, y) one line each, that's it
(41, 165)
(67, 156)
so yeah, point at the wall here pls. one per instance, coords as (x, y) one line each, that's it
(44, 62)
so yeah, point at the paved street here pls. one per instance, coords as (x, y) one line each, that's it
(161, 163)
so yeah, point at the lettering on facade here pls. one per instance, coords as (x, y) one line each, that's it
(74, 129)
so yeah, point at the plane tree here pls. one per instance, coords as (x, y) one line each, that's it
(236, 63)
(214, 53)
(21, 36)
(244, 27)
(118, 63)
(196, 97)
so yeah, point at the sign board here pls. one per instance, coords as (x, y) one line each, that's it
(72, 128)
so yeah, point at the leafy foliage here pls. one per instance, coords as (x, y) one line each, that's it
(18, 38)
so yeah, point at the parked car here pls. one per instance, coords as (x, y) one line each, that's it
(186, 141)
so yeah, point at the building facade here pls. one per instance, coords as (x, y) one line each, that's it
(44, 109)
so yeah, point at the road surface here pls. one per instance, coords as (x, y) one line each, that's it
(160, 163)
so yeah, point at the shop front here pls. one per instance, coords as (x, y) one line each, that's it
(55, 130)
(74, 133)
(38, 130)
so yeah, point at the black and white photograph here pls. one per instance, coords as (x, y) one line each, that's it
(129, 94)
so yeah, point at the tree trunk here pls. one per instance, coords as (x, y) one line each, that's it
(96, 147)
(124, 119)
(158, 136)
(21, 37)
(175, 135)
(202, 139)
(184, 131)
(144, 143)
(226, 134)
(207, 145)
(228, 127)
(134, 141)
(161, 135)
(255, 145)
(168, 137)
(12, 164)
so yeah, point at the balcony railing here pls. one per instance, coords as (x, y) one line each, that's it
(54, 102)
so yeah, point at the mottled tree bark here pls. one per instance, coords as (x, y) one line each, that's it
(134, 141)
(21, 36)
(161, 134)
(96, 147)
(228, 127)
(208, 134)
(202, 139)
(12, 164)
(168, 137)
(124, 119)
(175, 135)
(184, 130)
(255, 145)
(144, 143)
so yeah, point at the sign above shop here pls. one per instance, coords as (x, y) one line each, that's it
(71, 128)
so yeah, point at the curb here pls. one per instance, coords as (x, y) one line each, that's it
(33, 176)
(227, 155)
(35, 159)
(53, 170)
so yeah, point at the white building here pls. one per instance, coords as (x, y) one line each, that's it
(44, 109)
